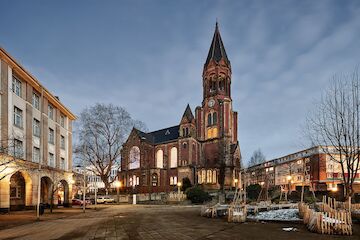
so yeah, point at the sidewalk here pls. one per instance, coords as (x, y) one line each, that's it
(17, 218)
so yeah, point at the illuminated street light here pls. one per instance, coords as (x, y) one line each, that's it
(117, 184)
(179, 185)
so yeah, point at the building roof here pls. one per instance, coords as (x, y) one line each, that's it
(160, 136)
(188, 114)
(217, 49)
(26, 76)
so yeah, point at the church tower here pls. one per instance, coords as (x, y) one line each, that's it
(216, 122)
(218, 119)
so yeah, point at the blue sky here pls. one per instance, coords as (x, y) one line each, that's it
(147, 56)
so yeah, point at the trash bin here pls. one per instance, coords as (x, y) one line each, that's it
(41, 209)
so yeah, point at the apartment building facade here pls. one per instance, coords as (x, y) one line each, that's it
(35, 138)
(312, 167)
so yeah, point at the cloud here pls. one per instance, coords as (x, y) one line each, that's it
(149, 57)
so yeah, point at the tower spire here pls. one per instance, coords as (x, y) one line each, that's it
(217, 49)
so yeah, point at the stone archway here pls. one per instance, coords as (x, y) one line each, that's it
(63, 193)
(17, 191)
(20, 190)
(46, 185)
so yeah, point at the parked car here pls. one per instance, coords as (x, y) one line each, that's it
(105, 199)
(79, 202)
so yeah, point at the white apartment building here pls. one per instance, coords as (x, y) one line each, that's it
(35, 133)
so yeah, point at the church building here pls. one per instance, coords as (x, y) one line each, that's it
(203, 147)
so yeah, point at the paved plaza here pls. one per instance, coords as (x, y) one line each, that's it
(153, 222)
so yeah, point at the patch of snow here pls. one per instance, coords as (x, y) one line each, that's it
(277, 215)
(290, 229)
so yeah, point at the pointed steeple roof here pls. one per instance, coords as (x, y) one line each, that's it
(188, 114)
(217, 49)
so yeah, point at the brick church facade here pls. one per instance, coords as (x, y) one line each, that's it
(202, 147)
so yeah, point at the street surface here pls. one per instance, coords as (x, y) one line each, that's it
(155, 222)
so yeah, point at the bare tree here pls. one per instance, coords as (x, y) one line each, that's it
(334, 126)
(11, 155)
(257, 158)
(101, 131)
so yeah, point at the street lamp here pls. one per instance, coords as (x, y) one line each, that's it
(117, 184)
(84, 187)
(179, 185)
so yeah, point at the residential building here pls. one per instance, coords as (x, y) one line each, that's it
(35, 139)
(312, 167)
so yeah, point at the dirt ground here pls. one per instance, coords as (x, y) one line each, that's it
(157, 222)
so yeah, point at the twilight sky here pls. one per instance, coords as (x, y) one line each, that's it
(147, 56)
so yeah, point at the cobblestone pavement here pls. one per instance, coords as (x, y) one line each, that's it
(156, 222)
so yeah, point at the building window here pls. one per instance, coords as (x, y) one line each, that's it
(186, 132)
(173, 157)
(214, 118)
(209, 119)
(36, 101)
(212, 132)
(51, 136)
(184, 145)
(214, 175)
(62, 142)
(213, 86)
(18, 117)
(51, 160)
(36, 154)
(36, 127)
(173, 181)
(203, 176)
(16, 86)
(208, 176)
(62, 121)
(159, 158)
(50, 111)
(18, 150)
(62, 163)
(221, 85)
(134, 158)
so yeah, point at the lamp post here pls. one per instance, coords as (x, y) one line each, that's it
(117, 184)
(84, 186)
(289, 186)
(179, 185)
(236, 188)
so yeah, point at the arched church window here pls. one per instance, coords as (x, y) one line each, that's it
(173, 157)
(209, 119)
(134, 158)
(213, 86)
(214, 175)
(222, 85)
(159, 158)
(208, 176)
(214, 117)
(183, 132)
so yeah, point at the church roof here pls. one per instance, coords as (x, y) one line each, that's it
(188, 114)
(160, 136)
(217, 49)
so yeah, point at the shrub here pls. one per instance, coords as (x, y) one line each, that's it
(197, 195)
(253, 191)
(186, 184)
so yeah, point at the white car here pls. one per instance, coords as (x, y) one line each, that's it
(105, 199)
